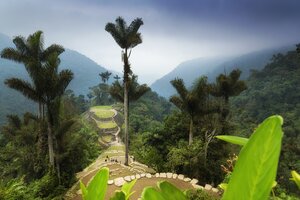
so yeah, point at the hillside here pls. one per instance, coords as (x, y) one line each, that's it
(274, 90)
(211, 67)
(85, 75)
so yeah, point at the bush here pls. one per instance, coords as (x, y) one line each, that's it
(201, 195)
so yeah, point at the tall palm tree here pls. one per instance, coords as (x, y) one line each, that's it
(127, 37)
(105, 76)
(35, 58)
(32, 54)
(193, 102)
(227, 86)
(57, 83)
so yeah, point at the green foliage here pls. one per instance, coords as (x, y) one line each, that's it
(274, 90)
(233, 139)
(127, 187)
(165, 191)
(97, 187)
(296, 178)
(255, 170)
(201, 195)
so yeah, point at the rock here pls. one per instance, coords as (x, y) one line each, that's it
(148, 175)
(215, 190)
(198, 187)
(175, 176)
(180, 177)
(162, 175)
(78, 192)
(187, 180)
(207, 187)
(194, 181)
(157, 175)
(110, 182)
(143, 175)
(137, 176)
(119, 181)
(127, 178)
(169, 175)
(132, 177)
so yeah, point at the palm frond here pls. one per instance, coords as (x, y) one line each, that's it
(20, 43)
(135, 25)
(139, 91)
(14, 121)
(121, 26)
(117, 91)
(29, 116)
(64, 78)
(24, 87)
(112, 29)
(179, 86)
(54, 48)
(177, 102)
(12, 54)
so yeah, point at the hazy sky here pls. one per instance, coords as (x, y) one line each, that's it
(173, 30)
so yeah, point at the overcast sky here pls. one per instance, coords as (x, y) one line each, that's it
(174, 30)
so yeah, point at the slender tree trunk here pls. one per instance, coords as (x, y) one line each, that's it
(126, 115)
(50, 143)
(126, 108)
(40, 110)
(191, 131)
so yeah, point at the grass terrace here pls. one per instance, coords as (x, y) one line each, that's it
(107, 125)
(102, 111)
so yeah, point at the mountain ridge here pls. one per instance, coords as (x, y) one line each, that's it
(211, 67)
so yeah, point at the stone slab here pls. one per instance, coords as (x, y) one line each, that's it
(194, 181)
(127, 178)
(119, 181)
(207, 187)
(180, 177)
(169, 175)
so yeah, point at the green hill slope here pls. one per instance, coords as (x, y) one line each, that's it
(275, 90)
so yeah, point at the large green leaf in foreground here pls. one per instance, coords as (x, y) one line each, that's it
(255, 170)
(97, 187)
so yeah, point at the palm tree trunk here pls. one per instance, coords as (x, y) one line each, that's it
(126, 123)
(126, 103)
(40, 110)
(50, 143)
(191, 132)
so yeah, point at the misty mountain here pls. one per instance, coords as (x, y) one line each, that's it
(86, 74)
(211, 67)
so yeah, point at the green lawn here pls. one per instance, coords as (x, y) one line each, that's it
(102, 111)
(105, 125)
(107, 138)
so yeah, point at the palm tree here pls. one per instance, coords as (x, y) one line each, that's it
(105, 76)
(135, 90)
(228, 86)
(127, 37)
(117, 77)
(32, 54)
(193, 102)
(57, 83)
(37, 60)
